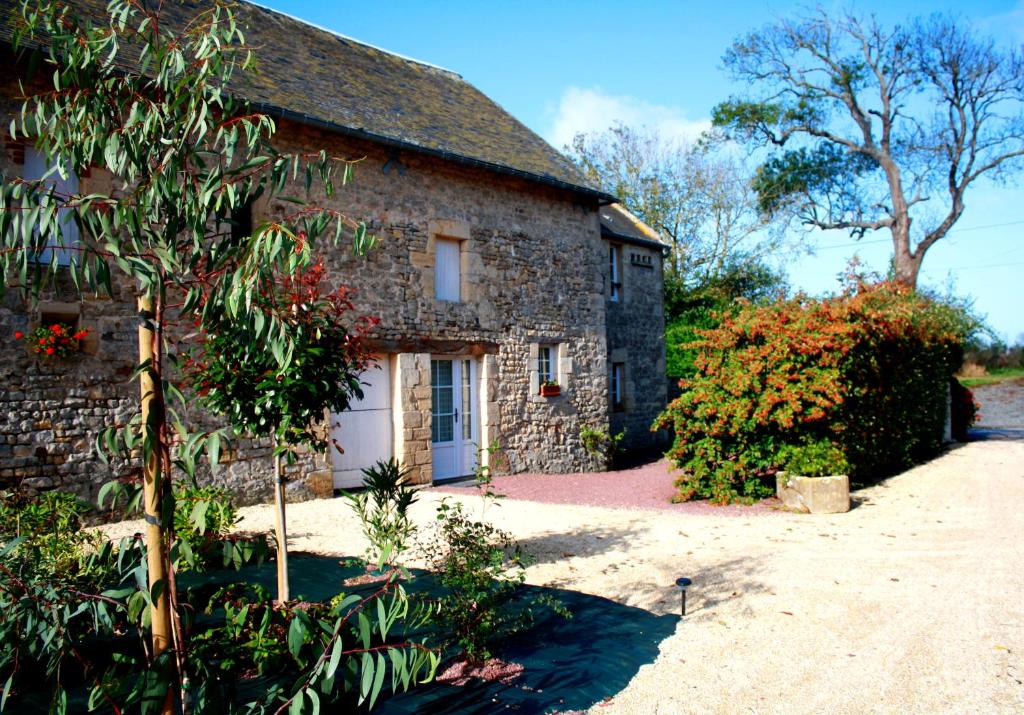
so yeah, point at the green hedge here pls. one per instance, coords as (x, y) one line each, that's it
(866, 371)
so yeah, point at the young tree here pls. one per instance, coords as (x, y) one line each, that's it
(147, 103)
(868, 127)
(237, 377)
(699, 198)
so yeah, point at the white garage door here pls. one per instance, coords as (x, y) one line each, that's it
(365, 430)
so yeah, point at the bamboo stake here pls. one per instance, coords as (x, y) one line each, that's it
(280, 528)
(153, 477)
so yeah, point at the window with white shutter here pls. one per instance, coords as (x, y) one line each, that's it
(447, 269)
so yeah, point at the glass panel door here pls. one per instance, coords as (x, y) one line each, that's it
(453, 432)
(443, 402)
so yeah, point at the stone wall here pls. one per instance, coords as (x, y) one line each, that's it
(532, 273)
(636, 339)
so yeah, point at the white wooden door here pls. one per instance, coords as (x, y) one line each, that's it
(454, 418)
(365, 430)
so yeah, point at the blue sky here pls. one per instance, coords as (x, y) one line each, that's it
(563, 67)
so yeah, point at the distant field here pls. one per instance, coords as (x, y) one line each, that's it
(994, 376)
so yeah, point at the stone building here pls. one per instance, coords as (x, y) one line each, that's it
(499, 270)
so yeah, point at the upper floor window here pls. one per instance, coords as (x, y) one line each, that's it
(614, 273)
(60, 248)
(447, 269)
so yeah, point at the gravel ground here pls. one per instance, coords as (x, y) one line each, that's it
(649, 486)
(1002, 405)
(911, 602)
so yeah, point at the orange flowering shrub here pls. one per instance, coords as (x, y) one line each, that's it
(866, 370)
(52, 341)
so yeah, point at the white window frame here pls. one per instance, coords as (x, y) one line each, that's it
(615, 385)
(614, 272)
(448, 269)
(547, 363)
(61, 248)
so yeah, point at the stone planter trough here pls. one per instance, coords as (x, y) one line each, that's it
(817, 495)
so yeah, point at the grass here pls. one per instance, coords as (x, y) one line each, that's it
(1001, 374)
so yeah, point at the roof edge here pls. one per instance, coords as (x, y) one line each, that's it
(635, 240)
(301, 118)
(342, 36)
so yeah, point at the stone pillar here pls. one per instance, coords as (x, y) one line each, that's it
(412, 421)
(490, 412)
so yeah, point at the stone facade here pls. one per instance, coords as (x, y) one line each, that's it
(532, 278)
(635, 334)
(532, 273)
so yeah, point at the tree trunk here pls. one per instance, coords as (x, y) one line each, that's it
(281, 529)
(906, 264)
(153, 418)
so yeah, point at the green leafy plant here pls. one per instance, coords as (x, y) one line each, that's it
(236, 376)
(50, 525)
(819, 458)
(204, 517)
(309, 651)
(383, 510)
(66, 595)
(53, 341)
(481, 569)
(866, 370)
(603, 445)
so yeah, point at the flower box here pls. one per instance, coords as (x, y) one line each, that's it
(549, 390)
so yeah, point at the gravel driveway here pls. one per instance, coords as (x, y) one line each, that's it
(1002, 405)
(911, 602)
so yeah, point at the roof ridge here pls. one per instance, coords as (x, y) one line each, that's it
(342, 36)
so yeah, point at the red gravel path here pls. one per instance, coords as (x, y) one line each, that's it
(645, 487)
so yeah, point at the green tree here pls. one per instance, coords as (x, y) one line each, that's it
(867, 127)
(147, 103)
(236, 376)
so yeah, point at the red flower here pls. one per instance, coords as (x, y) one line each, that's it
(18, 335)
(49, 351)
(81, 334)
(56, 329)
(42, 341)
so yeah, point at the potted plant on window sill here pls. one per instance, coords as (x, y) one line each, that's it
(550, 388)
(58, 341)
(814, 478)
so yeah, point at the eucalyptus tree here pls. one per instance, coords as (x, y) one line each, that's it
(866, 127)
(147, 103)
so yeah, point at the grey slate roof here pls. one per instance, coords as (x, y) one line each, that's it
(318, 77)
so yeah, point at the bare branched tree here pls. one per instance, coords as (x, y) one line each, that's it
(695, 195)
(869, 127)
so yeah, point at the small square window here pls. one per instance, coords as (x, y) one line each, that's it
(614, 273)
(447, 269)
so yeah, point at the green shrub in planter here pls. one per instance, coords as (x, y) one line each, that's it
(813, 459)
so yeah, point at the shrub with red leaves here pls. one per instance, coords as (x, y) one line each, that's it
(866, 370)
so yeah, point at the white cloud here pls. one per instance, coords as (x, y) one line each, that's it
(1008, 26)
(593, 110)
